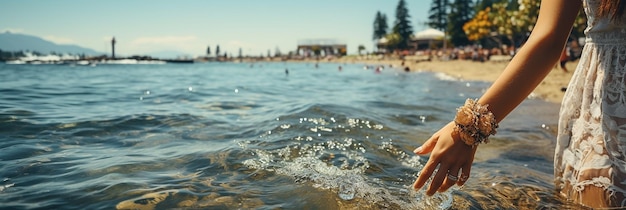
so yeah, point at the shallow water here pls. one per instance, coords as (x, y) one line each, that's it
(250, 136)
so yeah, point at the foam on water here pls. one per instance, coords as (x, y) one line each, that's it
(445, 77)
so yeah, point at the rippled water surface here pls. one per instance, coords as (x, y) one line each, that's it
(250, 136)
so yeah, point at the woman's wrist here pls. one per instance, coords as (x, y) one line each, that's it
(474, 123)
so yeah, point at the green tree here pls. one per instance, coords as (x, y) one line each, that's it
(208, 50)
(361, 48)
(461, 11)
(579, 25)
(513, 5)
(217, 51)
(482, 4)
(501, 18)
(380, 26)
(402, 25)
(517, 21)
(277, 52)
(508, 19)
(438, 14)
(527, 15)
(240, 53)
(393, 39)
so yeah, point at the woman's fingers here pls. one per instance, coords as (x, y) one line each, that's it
(465, 174)
(437, 180)
(452, 177)
(427, 147)
(449, 163)
(426, 172)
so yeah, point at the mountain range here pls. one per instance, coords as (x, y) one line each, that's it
(14, 42)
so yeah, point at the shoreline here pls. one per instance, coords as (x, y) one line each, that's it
(550, 89)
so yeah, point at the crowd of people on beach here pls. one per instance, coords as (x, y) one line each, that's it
(471, 52)
(482, 54)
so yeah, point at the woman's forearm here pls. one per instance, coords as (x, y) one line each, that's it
(533, 62)
(523, 74)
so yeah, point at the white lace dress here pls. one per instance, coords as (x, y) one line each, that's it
(591, 141)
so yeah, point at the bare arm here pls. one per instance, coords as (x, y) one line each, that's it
(453, 157)
(535, 59)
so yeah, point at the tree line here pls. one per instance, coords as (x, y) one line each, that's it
(8, 55)
(277, 53)
(467, 22)
(509, 22)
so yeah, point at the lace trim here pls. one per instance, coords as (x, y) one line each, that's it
(602, 182)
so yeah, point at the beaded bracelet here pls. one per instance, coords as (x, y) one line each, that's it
(475, 123)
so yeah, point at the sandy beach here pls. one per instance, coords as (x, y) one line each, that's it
(550, 89)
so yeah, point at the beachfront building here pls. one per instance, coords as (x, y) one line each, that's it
(321, 47)
(382, 46)
(428, 39)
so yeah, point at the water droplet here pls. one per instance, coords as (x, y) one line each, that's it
(190, 88)
(236, 90)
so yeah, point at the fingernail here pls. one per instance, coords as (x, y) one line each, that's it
(417, 150)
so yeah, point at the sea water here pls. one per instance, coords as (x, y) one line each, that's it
(252, 136)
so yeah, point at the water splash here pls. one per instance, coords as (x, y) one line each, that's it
(342, 168)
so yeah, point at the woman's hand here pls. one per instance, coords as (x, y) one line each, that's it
(453, 157)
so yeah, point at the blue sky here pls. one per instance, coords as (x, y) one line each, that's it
(255, 26)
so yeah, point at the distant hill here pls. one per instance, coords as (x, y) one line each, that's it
(21, 42)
